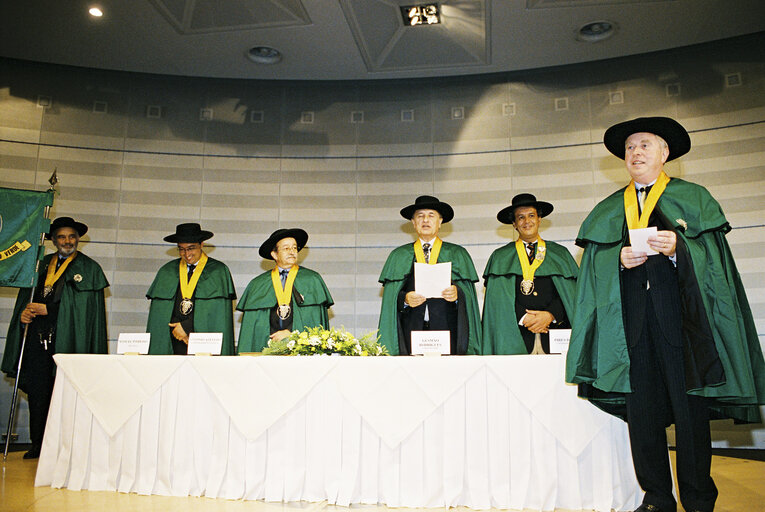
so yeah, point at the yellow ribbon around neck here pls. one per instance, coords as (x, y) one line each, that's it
(187, 287)
(283, 295)
(523, 256)
(52, 275)
(631, 203)
(420, 254)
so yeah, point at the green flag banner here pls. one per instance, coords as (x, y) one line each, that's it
(22, 219)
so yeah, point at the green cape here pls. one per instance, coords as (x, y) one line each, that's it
(598, 354)
(501, 334)
(213, 310)
(393, 278)
(81, 324)
(259, 297)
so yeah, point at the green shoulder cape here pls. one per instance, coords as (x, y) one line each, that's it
(259, 297)
(81, 325)
(213, 311)
(501, 334)
(598, 354)
(394, 275)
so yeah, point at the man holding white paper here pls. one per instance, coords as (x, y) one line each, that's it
(406, 309)
(666, 338)
(530, 284)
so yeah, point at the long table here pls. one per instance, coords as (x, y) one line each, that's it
(477, 431)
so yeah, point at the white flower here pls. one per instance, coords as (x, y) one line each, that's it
(290, 344)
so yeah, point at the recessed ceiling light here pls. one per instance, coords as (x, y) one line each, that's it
(425, 14)
(95, 12)
(264, 55)
(596, 31)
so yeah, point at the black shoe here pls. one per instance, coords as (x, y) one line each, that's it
(34, 453)
(645, 507)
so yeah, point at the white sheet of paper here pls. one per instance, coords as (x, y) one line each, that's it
(133, 342)
(205, 343)
(559, 339)
(431, 280)
(639, 240)
(431, 342)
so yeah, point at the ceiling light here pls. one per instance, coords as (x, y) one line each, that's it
(426, 14)
(264, 55)
(596, 31)
(96, 12)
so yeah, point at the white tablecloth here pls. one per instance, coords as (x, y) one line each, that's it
(491, 431)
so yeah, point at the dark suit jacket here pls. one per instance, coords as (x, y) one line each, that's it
(544, 298)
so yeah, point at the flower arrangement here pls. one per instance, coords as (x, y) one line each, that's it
(320, 341)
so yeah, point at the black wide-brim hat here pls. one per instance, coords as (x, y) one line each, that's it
(66, 222)
(428, 203)
(188, 233)
(507, 215)
(671, 131)
(300, 236)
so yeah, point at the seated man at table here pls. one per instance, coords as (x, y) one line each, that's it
(532, 278)
(193, 293)
(289, 297)
(404, 310)
(67, 315)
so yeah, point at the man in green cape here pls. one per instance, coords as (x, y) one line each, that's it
(67, 315)
(518, 310)
(193, 293)
(403, 310)
(667, 337)
(289, 297)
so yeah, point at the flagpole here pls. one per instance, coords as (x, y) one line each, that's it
(11, 416)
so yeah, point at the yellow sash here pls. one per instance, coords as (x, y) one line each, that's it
(420, 254)
(530, 268)
(631, 203)
(187, 287)
(283, 295)
(52, 275)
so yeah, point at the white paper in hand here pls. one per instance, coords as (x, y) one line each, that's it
(639, 240)
(432, 280)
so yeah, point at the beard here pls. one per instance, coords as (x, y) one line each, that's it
(67, 251)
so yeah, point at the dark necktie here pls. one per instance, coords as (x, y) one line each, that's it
(59, 262)
(189, 271)
(426, 250)
(532, 249)
(642, 193)
(283, 274)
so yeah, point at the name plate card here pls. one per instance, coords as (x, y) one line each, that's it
(205, 343)
(431, 343)
(559, 339)
(133, 343)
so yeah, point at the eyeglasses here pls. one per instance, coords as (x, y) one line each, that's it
(188, 249)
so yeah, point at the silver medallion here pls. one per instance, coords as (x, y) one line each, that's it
(186, 306)
(47, 290)
(527, 286)
(283, 311)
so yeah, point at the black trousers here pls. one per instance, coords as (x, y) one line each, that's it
(36, 380)
(658, 399)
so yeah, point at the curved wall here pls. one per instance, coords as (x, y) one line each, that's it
(137, 154)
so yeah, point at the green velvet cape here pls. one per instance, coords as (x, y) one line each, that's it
(598, 354)
(213, 306)
(400, 265)
(259, 298)
(501, 334)
(81, 323)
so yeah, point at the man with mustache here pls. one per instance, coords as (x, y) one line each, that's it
(288, 297)
(193, 293)
(67, 315)
(403, 310)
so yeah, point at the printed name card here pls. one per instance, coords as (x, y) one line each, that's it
(431, 342)
(133, 343)
(205, 343)
(559, 339)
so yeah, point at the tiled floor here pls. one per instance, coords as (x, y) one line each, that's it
(741, 483)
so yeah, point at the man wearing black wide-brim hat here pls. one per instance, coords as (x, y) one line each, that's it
(403, 310)
(286, 298)
(193, 293)
(530, 284)
(663, 334)
(67, 315)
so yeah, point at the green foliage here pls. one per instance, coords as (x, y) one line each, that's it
(320, 341)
